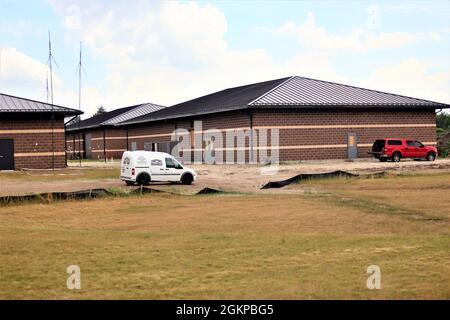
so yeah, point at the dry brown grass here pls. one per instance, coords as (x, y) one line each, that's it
(235, 246)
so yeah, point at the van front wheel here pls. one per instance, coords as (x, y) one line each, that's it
(187, 179)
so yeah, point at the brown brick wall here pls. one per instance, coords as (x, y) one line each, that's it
(296, 138)
(25, 144)
(330, 136)
(115, 143)
(160, 132)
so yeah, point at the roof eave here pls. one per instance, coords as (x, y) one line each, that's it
(64, 112)
(349, 105)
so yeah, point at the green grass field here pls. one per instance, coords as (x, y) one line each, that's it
(316, 244)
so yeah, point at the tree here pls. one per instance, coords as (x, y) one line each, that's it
(443, 121)
(442, 132)
(100, 110)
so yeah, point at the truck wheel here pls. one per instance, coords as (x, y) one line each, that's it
(187, 179)
(396, 157)
(143, 180)
(431, 156)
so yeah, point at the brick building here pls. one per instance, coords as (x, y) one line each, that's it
(311, 119)
(99, 137)
(32, 134)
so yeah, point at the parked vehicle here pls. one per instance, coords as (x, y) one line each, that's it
(142, 167)
(396, 149)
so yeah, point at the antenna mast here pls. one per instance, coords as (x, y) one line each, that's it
(80, 68)
(50, 61)
(46, 86)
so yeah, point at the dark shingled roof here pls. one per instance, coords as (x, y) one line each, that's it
(114, 117)
(225, 100)
(290, 92)
(13, 104)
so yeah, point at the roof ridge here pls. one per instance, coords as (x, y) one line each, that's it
(228, 89)
(362, 88)
(133, 108)
(271, 90)
(125, 112)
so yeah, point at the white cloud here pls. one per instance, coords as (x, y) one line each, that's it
(164, 52)
(20, 74)
(26, 77)
(361, 40)
(167, 52)
(410, 77)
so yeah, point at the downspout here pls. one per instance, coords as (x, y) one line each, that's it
(65, 143)
(127, 138)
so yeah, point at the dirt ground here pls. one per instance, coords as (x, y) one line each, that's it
(234, 178)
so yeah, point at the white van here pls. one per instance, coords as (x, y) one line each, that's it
(141, 167)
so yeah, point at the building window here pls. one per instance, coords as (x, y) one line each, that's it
(150, 146)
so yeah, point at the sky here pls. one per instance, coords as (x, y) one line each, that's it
(166, 52)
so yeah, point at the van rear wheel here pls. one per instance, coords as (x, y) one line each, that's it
(143, 180)
(187, 179)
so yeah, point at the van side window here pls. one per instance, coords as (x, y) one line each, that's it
(156, 162)
(394, 142)
(410, 143)
(170, 163)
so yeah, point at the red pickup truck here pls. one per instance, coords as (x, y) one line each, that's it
(396, 149)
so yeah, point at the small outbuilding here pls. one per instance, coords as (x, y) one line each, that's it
(32, 133)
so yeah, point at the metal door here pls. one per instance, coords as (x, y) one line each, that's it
(352, 145)
(6, 154)
(88, 145)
